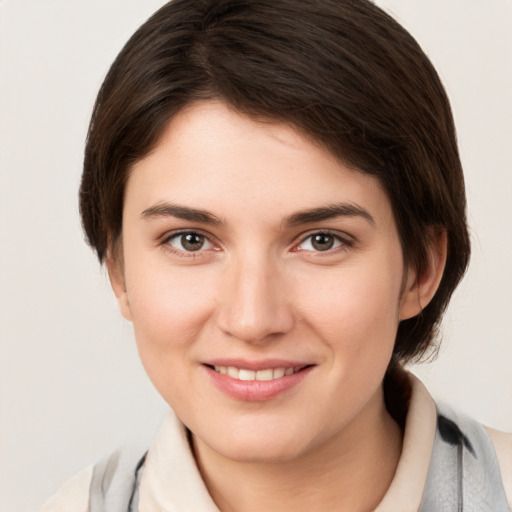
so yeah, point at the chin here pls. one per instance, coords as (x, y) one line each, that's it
(272, 453)
(274, 446)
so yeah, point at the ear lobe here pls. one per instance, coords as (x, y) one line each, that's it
(419, 290)
(116, 276)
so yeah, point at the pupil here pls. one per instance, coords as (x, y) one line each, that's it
(323, 242)
(192, 241)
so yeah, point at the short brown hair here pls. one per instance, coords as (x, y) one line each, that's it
(343, 72)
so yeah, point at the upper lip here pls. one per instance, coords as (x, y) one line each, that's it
(265, 364)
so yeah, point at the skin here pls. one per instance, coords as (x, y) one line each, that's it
(258, 288)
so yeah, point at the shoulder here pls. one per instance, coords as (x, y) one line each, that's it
(470, 463)
(502, 443)
(73, 495)
(107, 486)
(115, 479)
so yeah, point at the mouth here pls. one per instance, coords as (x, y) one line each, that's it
(263, 375)
(256, 382)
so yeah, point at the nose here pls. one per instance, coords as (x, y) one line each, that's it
(254, 306)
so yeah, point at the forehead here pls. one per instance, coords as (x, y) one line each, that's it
(213, 157)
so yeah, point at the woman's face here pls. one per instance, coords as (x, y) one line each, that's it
(264, 281)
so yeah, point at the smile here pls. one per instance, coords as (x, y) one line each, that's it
(264, 381)
(260, 375)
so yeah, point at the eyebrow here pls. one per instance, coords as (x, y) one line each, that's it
(330, 211)
(181, 212)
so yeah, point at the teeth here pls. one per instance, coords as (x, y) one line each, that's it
(279, 372)
(247, 375)
(261, 375)
(265, 374)
(233, 372)
(223, 370)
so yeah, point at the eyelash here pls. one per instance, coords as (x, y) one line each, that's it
(345, 243)
(182, 253)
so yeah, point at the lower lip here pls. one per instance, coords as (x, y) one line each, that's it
(256, 390)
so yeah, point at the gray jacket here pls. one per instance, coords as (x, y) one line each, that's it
(464, 475)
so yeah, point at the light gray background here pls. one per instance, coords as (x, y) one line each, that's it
(71, 385)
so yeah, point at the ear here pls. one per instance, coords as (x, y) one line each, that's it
(116, 276)
(420, 289)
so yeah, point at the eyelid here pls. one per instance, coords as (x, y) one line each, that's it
(165, 239)
(183, 231)
(345, 239)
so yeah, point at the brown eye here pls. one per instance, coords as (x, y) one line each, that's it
(192, 241)
(189, 242)
(322, 242)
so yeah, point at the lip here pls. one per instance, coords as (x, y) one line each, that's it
(256, 391)
(257, 365)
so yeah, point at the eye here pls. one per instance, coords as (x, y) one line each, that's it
(322, 242)
(189, 241)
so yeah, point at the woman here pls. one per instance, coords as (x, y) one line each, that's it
(275, 189)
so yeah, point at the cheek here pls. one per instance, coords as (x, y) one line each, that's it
(356, 319)
(169, 309)
(356, 311)
(169, 299)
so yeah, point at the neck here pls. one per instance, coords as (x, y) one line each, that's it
(351, 471)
